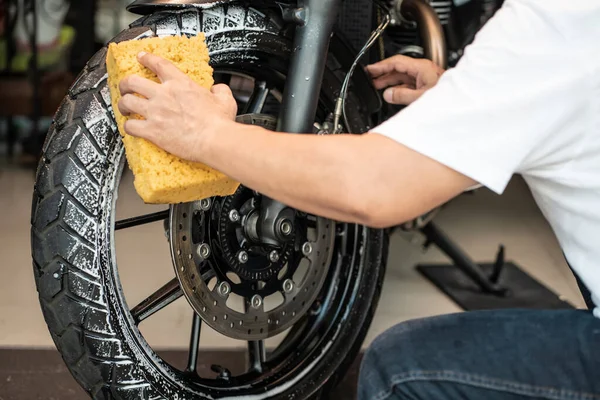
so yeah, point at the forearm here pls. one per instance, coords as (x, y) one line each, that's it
(365, 179)
(316, 174)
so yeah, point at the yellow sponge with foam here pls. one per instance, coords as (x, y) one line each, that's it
(160, 177)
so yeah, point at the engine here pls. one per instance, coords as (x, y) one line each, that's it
(461, 19)
(443, 8)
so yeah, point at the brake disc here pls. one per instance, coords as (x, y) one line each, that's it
(217, 266)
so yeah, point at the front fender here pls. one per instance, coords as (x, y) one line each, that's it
(143, 7)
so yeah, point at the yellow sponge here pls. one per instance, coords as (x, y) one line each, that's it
(160, 177)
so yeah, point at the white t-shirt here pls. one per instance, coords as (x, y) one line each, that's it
(525, 98)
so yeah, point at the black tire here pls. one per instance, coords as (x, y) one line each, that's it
(74, 267)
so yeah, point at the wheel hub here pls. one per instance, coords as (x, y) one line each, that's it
(248, 268)
(245, 251)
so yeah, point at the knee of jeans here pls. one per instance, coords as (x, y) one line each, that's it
(391, 353)
(410, 345)
(390, 347)
(372, 378)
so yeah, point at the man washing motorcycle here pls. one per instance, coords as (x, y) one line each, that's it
(514, 104)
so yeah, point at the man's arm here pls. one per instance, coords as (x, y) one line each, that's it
(367, 179)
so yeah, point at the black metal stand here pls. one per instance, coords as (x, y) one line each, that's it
(487, 286)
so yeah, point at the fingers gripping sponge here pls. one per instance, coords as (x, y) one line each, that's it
(160, 177)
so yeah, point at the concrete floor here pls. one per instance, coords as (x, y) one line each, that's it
(478, 222)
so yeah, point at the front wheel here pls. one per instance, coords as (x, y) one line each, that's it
(328, 274)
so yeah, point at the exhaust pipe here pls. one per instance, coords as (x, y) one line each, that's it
(430, 28)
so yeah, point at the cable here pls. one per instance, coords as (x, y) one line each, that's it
(381, 42)
(340, 106)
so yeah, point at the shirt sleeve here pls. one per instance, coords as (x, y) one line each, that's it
(487, 117)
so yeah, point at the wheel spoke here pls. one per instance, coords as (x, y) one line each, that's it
(291, 340)
(257, 355)
(257, 99)
(157, 301)
(194, 343)
(141, 220)
(207, 273)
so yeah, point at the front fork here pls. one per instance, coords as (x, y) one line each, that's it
(314, 21)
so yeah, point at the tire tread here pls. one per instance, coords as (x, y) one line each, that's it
(64, 226)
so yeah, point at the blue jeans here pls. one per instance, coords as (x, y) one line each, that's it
(487, 355)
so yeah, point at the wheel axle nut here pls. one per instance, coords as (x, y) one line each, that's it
(234, 216)
(205, 204)
(224, 289)
(274, 256)
(288, 285)
(307, 249)
(256, 301)
(243, 257)
(286, 227)
(204, 251)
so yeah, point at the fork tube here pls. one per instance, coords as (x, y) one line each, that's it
(315, 19)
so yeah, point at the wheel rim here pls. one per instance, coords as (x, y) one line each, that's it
(308, 341)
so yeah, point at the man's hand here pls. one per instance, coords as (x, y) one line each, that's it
(179, 116)
(405, 78)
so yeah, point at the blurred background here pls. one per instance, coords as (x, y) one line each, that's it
(32, 83)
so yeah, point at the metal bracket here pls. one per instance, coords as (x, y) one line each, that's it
(295, 15)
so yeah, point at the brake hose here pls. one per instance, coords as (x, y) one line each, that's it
(340, 105)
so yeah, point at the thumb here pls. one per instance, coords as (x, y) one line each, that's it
(402, 95)
(224, 96)
(221, 91)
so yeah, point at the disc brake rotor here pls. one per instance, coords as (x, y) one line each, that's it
(218, 267)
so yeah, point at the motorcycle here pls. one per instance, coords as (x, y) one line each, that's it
(291, 71)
